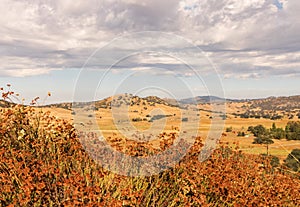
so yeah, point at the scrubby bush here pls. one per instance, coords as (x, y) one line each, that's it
(136, 119)
(185, 119)
(241, 134)
(292, 130)
(293, 160)
(229, 129)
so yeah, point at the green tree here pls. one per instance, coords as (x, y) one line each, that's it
(241, 134)
(258, 130)
(292, 130)
(229, 129)
(293, 160)
(274, 128)
(263, 140)
(277, 133)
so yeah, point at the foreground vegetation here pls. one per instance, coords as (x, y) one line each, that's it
(43, 164)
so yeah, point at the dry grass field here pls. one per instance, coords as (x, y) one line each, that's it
(118, 122)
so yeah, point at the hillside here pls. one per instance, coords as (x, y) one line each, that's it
(277, 103)
(271, 108)
(202, 99)
(290, 103)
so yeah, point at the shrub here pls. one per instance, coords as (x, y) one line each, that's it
(258, 130)
(293, 160)
(136, 119)
(241, 134)
(185, 119)
(229, 129)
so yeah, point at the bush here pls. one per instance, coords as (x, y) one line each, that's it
(229, 129)
(241, 134)
(292, 130)
(258, 130)
(185, 119)
(293, 160)
(136, 119)
(274, 161)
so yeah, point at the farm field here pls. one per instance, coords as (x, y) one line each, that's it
(108, 126)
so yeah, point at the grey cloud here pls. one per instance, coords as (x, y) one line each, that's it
(242, 37)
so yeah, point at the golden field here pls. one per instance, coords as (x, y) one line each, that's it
(105, 122)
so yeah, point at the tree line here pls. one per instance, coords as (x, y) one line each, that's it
(290, 132)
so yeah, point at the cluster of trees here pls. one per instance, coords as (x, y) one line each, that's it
(265, 136)
(159, 116)
(291, 131)
(137, 119)
(256, 115)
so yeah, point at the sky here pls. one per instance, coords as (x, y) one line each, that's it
(87, 50)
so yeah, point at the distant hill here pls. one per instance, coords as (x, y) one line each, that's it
(271, 108)
(289, 103)
(117, 101)
(130, 100)
(277, 103)
(205, 99)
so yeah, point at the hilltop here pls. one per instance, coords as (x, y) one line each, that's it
(116, 101)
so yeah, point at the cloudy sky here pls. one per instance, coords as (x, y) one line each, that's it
(92, 49)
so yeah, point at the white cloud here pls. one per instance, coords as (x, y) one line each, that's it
(245, 38)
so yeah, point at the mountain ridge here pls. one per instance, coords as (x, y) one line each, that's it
(279, 101)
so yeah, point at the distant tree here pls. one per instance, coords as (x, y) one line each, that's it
(293, 160)
(136, 119)
(292, 130)
(250, 128)
(241, 134)
(277, 133)
(229, 129)
(223, 116)
(246, 116)
(258, 130)
(263, 140)
(273, 127)
(185, 119)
